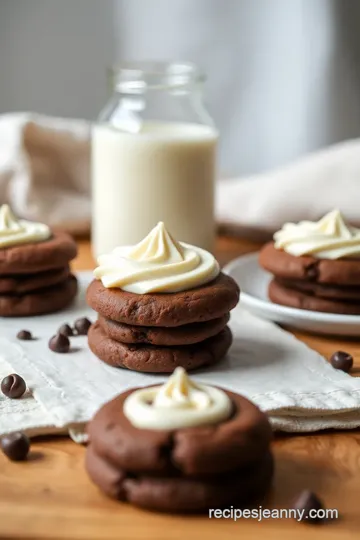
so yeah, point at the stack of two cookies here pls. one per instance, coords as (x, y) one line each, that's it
(181, 447)
(316, 265)
(161, 304)
(35, 276)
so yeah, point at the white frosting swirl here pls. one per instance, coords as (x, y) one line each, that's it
(329, 238)
(157, 264)
(179, 403)
(15, 231)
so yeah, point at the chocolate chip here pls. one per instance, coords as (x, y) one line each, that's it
(66, 330)
(312, 272)
(59, 343)
(15, 446)
(82, 326)
(25, 335)
(309, 504)
(140, 336)
(13, 386)
(342, 360)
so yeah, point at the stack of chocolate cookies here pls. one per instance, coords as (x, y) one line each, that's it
(174, 468)
(156, 332)
(35, 277)
(307, 282)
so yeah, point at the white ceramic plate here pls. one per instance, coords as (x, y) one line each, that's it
(254, 282)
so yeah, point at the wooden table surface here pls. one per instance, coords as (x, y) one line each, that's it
(51, 497)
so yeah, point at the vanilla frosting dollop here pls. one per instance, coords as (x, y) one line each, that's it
(329, 238)
(157, 264)
(15, 231)
(179, 403)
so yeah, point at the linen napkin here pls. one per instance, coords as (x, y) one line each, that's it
(44, 169)
(305, 189)
(44, 176)
(299, 390)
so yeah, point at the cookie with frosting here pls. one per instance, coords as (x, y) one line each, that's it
(180, 446)
(34, 267)
(315, 265)
(173, 292)
(204, 303)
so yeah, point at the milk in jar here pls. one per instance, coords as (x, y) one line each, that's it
(153, 159)
(164, 173)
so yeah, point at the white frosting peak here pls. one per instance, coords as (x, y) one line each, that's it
(157, 247)
(179, 403)
(8, 222)
(180, 392)
(329, 238)
(15, 231)
(157, 264)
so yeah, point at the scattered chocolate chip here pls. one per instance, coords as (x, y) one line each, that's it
(82, 326)
(342, 360)
(13, 386)
(15, 446)
(66, 330)
(25, 335)
(309, 504)
(59, 343)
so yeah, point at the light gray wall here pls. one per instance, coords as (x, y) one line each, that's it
(53, 56)
(283, 75)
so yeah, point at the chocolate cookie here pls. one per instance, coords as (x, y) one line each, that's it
(187, 334)
(151, 359)
(183, 494)
(336, 272)
(24, 283)
(38, 257)
(199, 451)
(349, 294)
(205, 303)
(298, 299)
(47, 300)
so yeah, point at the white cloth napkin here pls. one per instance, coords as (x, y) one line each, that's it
(44, 175)
(44, 169)
(292, 383)
(306, 189)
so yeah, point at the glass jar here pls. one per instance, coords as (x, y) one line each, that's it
(153, 158)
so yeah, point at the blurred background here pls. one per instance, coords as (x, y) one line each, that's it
(283, 76)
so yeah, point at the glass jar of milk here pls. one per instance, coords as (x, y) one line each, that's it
(153, 158)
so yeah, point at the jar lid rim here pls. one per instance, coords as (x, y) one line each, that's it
(153, 74)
